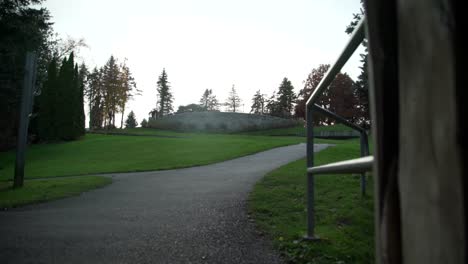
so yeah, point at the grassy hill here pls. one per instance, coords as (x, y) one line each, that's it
(220, 122)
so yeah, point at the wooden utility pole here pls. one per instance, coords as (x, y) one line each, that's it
(25, 112)
(419, 132)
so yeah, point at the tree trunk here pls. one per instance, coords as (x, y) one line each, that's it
(121, 120)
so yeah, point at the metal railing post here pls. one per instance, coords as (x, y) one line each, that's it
(364, 152)
(310, 176)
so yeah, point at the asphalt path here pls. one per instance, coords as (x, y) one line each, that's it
(192, 215)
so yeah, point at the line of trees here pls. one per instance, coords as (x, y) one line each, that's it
(280, 104)
(344, 97)
(108, 90)
(59, 81)
(22, 28)
(60, 105)
(208, 102)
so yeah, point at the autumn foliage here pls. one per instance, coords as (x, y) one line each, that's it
(338, 98)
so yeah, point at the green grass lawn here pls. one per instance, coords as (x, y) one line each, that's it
(35, 191)
(299, 131)
(344, 219)
(148, 132)
(105, 153)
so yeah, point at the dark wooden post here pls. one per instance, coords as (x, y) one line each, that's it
(420, 178)
(26, 108)
(430, 168)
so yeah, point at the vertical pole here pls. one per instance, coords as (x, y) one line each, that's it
(26, 108)
(310, 176)
(364, 152)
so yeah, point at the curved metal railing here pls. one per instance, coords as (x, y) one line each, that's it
(350, 166)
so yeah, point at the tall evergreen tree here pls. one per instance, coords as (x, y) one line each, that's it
(65, 99)
(208, 101)
(60, 103)
(286, 98)
(47, 104)
(144, 123)
(131, 120)
(272, 105)
(165, 97)
(204, 100)
(233, 101)
(258, 103)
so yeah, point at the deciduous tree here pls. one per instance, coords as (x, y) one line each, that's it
(112, 87)
(95, 95)
(128, 89)
(339, 96)
(83, 83)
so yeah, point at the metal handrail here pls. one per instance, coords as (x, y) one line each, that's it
(338, 118)
(359, 165)
(350, 166)
(356, 38)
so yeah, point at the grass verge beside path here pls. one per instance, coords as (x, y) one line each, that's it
(344, 219)
(105, 153)
(35, 191)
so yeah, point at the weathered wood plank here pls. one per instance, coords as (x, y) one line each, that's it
(383, 73)
(430, 169)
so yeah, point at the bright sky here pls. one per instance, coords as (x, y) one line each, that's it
(212, 44)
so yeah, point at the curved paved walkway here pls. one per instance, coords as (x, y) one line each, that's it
(193, 215)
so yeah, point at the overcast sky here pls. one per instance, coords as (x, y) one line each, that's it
(209, 43)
